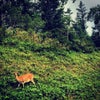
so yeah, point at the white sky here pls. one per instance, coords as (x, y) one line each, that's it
(88, 4)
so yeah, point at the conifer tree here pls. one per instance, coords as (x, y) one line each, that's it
(52, 13)
(83, 42)
(94, 15)
(81, 18)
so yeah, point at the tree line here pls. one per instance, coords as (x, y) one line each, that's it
(49, 16)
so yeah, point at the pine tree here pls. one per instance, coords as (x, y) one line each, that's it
(14, 13)
(94, 15)
(81, 18)
(82, 42)
(51, 14)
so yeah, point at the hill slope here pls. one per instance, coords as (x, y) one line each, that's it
(59, 74)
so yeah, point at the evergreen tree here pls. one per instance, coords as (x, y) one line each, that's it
(81, 18)
(94, 15)
(82, 42)
(3, 12)
(13, 12)
(52, 13)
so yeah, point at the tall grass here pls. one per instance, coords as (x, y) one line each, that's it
(59, 74)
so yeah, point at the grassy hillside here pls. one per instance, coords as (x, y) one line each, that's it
(59, 74)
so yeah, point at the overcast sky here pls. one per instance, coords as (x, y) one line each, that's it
(88, 4)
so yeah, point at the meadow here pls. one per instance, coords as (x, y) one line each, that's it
(59, 74)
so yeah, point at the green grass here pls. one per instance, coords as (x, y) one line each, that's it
(59, 74)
